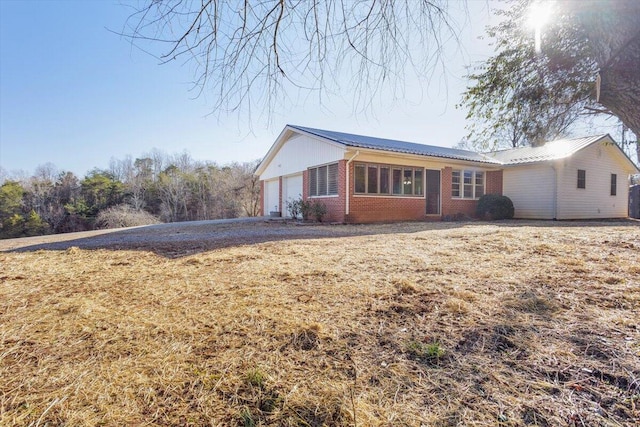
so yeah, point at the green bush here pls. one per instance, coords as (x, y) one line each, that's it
(494, 206)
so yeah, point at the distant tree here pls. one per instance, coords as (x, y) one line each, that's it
(11, 205)
(34, 225)
(249, 192)
(247, 52)
(587, 63)
(173, 194)
(99, 190)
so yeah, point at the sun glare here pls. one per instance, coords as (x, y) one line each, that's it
(539, 15)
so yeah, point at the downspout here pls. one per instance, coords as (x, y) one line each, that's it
(346, 208)
(555, 192)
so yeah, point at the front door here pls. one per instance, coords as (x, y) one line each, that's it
(433, 192)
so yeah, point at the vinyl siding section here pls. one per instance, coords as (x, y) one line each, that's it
(595, 201)
(531, 189)
(300, 152)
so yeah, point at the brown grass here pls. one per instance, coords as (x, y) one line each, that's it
(539, 325)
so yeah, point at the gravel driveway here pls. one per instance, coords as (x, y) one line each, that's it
(177, 239)
(183, 238)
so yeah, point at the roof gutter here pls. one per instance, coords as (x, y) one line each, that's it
(346, 205)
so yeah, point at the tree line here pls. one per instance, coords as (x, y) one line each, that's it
(153, 188)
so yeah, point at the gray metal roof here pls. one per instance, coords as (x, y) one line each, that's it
(360, 141)
(552, 150)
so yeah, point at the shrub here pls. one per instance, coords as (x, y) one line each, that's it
(494, 206)
(319, 210)
(306, 208)
(124, 216)
(294, 207)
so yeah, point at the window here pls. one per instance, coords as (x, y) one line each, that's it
(455, 184)
(360, 179)
(466, 184)
(372, 179)
(407, 182)
(323, 180)
(479, 190)
(582, 178)
(333, 179)
(614, 184)
(417, 182)
(384, 179)
(397, 181)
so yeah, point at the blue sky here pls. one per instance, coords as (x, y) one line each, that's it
(75, 94)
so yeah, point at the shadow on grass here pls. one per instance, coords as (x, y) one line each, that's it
(174, 240)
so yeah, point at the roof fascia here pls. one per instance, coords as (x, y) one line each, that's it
(284, 136)
(318, 137)
(621, 151)
(412, 156)
(604, 138)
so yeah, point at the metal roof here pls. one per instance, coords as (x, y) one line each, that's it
(552, 150)
(360, 141)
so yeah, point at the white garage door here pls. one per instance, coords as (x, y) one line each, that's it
(291, 190)
(271, 196)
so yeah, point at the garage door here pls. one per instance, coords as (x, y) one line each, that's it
(271, 196)
(291, 190)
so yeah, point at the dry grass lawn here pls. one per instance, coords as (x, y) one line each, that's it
(474, 324)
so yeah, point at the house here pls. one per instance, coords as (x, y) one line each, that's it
(365, 179)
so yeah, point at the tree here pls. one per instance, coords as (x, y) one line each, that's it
(99, 190)
(11, 204)
(247, 52)
(587, 64)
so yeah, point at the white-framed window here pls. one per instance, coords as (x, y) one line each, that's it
(467, 184)
(323, 180)
(614, 184)
(375, 179)
(582, 178)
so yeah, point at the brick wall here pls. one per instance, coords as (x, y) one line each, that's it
(261, 211)
(381, 209)
(493, 184)
(452, 207)
(335, 205)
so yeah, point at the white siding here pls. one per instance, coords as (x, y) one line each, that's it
(531, 189)
(595, 201)
(300, 152)
(291, 190)
(271, 196)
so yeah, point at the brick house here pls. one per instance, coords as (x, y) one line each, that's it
(365, 179)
